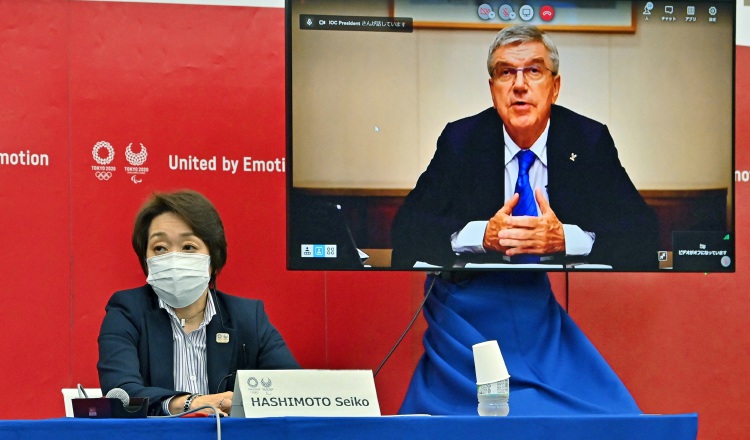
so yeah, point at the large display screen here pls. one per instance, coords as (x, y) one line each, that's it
(404, 130)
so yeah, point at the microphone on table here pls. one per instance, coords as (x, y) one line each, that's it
(116, 404)
(119, 393)
(82, 392)
(131, 407)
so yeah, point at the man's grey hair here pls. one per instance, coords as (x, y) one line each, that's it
(524, 33)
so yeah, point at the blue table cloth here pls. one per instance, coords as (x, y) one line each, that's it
(632, 427)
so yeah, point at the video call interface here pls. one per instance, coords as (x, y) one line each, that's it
(371, 85)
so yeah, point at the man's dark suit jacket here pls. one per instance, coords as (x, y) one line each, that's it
(587, 187)
(136, 348)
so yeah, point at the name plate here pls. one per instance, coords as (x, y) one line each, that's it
(316, 393)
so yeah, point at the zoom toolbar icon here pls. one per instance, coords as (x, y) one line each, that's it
(507, 13)
(547, 13)
(526, 12)
(485, 12)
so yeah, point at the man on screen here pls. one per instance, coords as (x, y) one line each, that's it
(525, 181)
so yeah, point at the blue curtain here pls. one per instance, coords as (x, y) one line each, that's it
(554, 368)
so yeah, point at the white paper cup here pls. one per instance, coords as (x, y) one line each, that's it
(488, 363)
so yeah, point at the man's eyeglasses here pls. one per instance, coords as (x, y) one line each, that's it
(535, 72)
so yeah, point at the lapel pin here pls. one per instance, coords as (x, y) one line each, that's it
(573, 157)
(222, 338)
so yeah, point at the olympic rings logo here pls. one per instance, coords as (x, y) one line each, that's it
(103, 175)
(110, 153)
(136, 159)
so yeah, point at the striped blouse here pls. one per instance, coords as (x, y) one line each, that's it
(190, 375)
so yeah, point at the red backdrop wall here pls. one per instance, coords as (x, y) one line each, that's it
(208, 81)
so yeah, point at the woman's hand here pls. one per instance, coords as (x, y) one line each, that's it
(222, 402)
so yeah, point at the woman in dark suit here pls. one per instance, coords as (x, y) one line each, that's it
(177, 340)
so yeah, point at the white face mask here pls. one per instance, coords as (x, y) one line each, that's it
(179, 278)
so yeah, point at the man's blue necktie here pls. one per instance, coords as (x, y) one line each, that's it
(526, 204)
